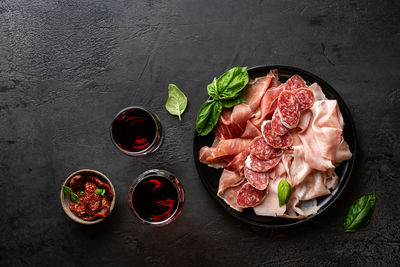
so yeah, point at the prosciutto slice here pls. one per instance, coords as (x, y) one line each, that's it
(232, 122)
(323, 137)
(224, 148)
(254, 92)
(229, 179)
(268, 105)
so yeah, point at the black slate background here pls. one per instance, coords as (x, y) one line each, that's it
(67, 67)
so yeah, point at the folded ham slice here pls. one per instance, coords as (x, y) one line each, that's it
(229, 185)
(268, 105)
(232, 122)
(228, 147)
(323, 136)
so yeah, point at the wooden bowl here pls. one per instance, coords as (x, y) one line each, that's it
(65, 199)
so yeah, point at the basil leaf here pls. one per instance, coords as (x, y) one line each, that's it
(212, 89)
(82, 192)
(284, 191)
(232, 82)
(100, 191)
(208, 116)
(69, 192)
(359, 213)
(176, 102)
(228, 103)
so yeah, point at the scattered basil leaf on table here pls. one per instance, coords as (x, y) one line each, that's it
(224, 92)
(208, 116)
(284, 191)
(69, 192)
(176, 102)
(359, 213)
(100, 191)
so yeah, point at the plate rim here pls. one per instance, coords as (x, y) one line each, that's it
(352, 131)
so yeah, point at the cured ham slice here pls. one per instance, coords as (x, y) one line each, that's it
(277, 125)
(317, 91)
(268, 105)
(237, 163)
(248, 196)
(232, 122)
(254, 92)
(270, 205)
(323, 136)
(275, 80)
(251, 131)
(258, 180)
(294, 83)
(305, 98)
(227, 180)
(274, 140)
(230, 196)
(312, 187)
(260, 149)
(258, 165)
(299, 169)
(289, 109)
(224, 148)
(343, 152)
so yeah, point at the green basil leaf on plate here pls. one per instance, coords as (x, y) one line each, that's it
(284, 192)
(359, 213)
(232, 82)
(208, 116)
(72, 195)
(100, 191)
(212, 89)
(228, 103)
(176, 102)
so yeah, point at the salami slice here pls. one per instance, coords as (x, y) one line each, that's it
(259, 165)
(262, 150)
(289, 109)
(259, 180)
(277, 125)
(248, 196)
(294, 83)
(305, 97)
(277, 141)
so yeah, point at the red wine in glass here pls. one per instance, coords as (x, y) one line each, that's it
(156, 197)
(136, 131)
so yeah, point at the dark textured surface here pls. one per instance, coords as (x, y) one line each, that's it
(67, 67)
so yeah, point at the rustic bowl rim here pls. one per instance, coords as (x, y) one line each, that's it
(65, 201)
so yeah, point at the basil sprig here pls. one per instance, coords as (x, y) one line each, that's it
(69, 192)
(284, 192)
(359, 213)
(224, 92)
(100, 191)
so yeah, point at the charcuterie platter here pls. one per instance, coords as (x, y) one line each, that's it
(272, 149)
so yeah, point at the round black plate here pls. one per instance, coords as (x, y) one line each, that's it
(210, 176)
